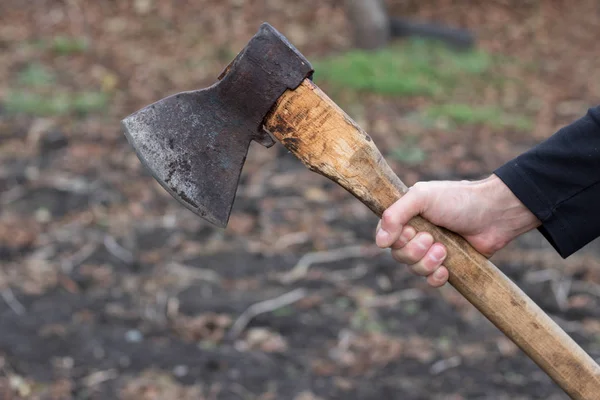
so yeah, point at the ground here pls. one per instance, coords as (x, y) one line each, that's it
(112, 289)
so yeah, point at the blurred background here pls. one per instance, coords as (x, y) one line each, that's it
(110, 289)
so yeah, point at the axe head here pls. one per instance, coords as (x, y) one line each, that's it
(195, 143)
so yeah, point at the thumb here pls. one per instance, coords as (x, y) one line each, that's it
(397, 215)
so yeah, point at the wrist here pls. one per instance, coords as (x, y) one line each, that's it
(509, 216)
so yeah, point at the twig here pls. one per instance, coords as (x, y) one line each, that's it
(12, 195)
(344, 339)
(291, 239)
(96, 378)
(78, 257)
(442, 365)
(190, 274)
(352, 274)
(587, 287)
(117, 250)
(392, 299)
(543, 275)
(172, 307)
(300, 270)
(10, 299)
(561, 291)
(264, 307)
(70, 184)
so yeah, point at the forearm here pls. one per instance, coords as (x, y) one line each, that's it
(559, 182)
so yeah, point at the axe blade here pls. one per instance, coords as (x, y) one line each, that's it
(195, 159)
(195, 143)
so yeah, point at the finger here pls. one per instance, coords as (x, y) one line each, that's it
(397, 215)
(408, 233)
(414, 250)
(431, 261)
(439, 277)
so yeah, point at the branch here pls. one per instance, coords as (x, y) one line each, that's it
(10, 299)
(117, 250)
(300, 270)
(264, 307)
(78, 257)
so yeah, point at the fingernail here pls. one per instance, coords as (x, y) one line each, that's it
(438, 274)
(382, 237)
(437, 254)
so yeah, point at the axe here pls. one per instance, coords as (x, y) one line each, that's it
(195, 143)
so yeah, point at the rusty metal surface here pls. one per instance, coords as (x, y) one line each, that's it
(195, 143)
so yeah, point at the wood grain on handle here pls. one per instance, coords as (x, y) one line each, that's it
(329, 142)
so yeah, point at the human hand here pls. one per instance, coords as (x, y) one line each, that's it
(485, 212)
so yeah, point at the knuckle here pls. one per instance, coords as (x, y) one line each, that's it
(418, 269)
(400, 256)
(418, 187)
(428, 266)
(397, 257)
(414, 254)
(388, 218)
(399, 244)
(419, 246)
(414, 271)
(408, 233)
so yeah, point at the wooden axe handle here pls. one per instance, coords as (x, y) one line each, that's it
(329, 142)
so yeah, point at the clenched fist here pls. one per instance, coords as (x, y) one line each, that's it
(485, 212)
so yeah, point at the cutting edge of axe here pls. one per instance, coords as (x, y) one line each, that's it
(195, 143)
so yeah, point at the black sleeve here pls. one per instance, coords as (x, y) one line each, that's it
(559, 181)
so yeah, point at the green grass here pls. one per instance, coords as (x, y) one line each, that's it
(66, 45)
(29, 103)
(87, 102)
(416, 68)
(55, 104)
(36, 93)
(59, 45)
(36, 75)
(409, 153)
(453, 81)
(465, 114)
